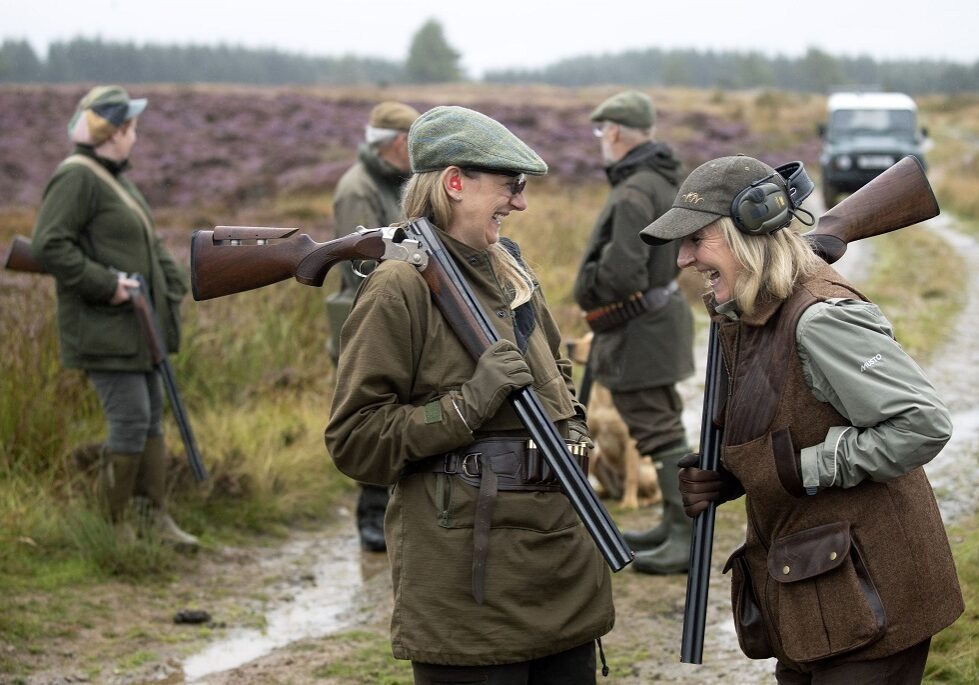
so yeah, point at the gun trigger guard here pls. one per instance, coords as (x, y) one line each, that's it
(405, 250)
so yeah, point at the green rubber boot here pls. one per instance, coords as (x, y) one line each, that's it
(117, 479)
(644, 540)
(151, 485)
(673, 554)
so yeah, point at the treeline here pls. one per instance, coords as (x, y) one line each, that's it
(815, 71)
(432, 59)
(94, 60)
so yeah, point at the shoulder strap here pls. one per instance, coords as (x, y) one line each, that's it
(110, 181)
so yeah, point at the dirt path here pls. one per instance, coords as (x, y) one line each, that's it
(298, 612)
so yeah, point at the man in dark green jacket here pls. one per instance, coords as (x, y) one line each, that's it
(369, 194)
(641, 356)
(94, 232)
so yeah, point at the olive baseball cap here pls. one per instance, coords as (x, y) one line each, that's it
(396, 116)
(101, 112)
(449, 135)
(705, 196)
(629, 108)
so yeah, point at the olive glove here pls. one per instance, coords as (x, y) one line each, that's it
(699, 487)
(499, 371)
(578, 432)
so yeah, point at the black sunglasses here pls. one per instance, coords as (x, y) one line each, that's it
(516, 185)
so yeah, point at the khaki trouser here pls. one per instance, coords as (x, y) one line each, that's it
(575, 666)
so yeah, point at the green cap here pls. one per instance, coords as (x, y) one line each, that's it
(629, 108)
(101, 112)
(448, 135)
(393, 115)
(705, 196)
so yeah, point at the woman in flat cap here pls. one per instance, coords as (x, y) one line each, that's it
(94, 230)
(496, 585)
(846, 572)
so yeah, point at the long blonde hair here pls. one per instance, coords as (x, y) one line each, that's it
(425, 196)
(771, 265)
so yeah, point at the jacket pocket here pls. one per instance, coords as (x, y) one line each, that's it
(748, 623)
(827, 602)
(108, 331)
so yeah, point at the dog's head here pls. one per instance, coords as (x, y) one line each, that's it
(578, 348)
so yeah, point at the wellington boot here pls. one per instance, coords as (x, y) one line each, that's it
(371, 505)
(169, 532)
(673, 556)
(151, 480)
(669, 483)
(117, 480)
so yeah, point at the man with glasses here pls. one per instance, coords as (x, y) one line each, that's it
(643, 326)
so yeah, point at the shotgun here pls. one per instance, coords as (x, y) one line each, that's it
(899, 197)
(20, 258)
(234, 259)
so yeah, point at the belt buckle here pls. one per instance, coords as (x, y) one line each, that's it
(466, 465)
(448, 463)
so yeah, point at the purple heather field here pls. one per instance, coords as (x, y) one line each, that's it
(229, 147)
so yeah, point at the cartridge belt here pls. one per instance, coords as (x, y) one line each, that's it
(495, 464)
(610, 316)
(518, 464)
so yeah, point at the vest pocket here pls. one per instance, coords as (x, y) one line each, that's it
(748, 623)
(827, 602)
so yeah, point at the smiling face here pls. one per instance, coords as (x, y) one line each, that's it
(707, 251)
(480, 203)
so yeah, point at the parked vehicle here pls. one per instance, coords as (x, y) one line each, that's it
(864, 134)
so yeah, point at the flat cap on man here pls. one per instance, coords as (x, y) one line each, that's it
(455, 136)
(629, 108)
(396, 116)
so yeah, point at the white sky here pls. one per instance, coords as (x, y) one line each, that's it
(494, 34)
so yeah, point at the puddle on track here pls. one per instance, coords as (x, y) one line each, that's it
(320, 601)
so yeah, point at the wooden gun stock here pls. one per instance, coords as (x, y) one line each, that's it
(899, 197)
(233, 259)
(20, 258)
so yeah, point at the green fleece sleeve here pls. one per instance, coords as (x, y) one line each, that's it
(897, 421)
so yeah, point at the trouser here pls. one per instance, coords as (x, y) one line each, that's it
(575, 666)
(133, 406)
(904, 668)
(654, 417)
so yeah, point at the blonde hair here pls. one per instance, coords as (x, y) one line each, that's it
(771, 265)
(425, 196)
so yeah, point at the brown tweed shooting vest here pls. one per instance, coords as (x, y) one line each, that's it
(847, 574)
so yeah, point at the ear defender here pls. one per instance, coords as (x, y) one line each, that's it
(762, 208)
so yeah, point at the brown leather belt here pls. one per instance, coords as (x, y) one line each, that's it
(494, 464)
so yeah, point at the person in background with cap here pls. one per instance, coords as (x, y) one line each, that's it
(93, 232)
(846, 570)
(369, 194)
(491, 584)
(640, 359)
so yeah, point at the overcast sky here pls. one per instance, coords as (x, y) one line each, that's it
(495, 34)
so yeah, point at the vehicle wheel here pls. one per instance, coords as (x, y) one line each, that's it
(830, 194)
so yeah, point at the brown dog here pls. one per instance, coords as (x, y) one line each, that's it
(621, 472)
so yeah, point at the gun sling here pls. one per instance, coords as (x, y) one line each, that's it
(610, 316)
(495, 464)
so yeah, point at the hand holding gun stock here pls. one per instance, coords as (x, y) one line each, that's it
(899, 197)
(234, 259)
(20, 258)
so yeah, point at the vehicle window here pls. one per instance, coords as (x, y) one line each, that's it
(872, 120)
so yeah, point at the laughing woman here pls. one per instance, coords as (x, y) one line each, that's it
(494, 586)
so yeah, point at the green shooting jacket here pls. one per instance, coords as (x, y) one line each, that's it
(84, 235)
(547, 587)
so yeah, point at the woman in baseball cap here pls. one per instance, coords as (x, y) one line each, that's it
(495, 579)
(826, 426)
(94, 231)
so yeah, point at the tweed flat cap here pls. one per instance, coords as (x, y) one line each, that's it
(393, 115)
(101, 112)
(448, 135)
(629, 108)
(705, 196)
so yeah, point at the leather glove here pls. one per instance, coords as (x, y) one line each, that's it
(699, 487)
(499, 370)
